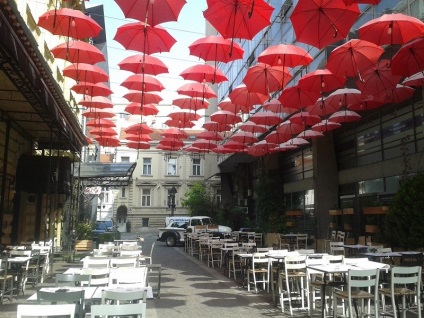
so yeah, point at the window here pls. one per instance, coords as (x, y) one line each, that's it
(147, 166)
(145, 197)
(218, 196)
(125, 159)
(196, 167)
(171, 167)
(123, 192)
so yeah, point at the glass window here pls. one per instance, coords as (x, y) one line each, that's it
(147, 166)
(123, 192)
(125, 159)
(196, 167)
(171, 167)
(145, 197)
(218, 196)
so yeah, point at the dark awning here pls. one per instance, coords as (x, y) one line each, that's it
(99, 174)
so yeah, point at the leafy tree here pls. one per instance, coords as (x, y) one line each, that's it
(84, 231)
(233, 216)
(404, 223)
(199, 201)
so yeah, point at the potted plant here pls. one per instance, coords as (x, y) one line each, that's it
(84, 237)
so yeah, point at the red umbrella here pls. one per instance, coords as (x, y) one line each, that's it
(286, 55)
(275, 106)
(265, 79)
(175, 133)
(184, 116)
(69, 22)
(217, 49)
(78, 52)
(310, 134)
(171, 142)
(144, 38)
(349, 2)
(241, 96)
(100, 122)
(138, 138)
(143, 63)
(283, 147)
(190, 103)
(144, 110)
(322, 108)
(192, 149)
(295, 98)
(235, 146)
(414, 80)
(92, 89)
(244, 137)
(98, 113)
(143, 82)
(289, 128)
(409, 59)
(321, 81)
(220, 149)
(108, 141)
(225, 117)
(249, 126)
(353, 57)
(305, 119)
(378, 79)
(215, 126)
(179, 123)
(297, 141)
(138, 129)
(167, 148)
(260, 148)
(139, 145)
(344, 116)
(204, 144)
(196, 90)
(395, 95)
(325, 125)
(365, 104)
(241, 19)
(266, 118)
(151, 12)
(343, 97)
(103, 131)
(210, 135)
(393, 28)
(277, 138)
(82, 72)
(96, 102)
(204, 73)
(323, 22)
(228, 105)
(143, 97)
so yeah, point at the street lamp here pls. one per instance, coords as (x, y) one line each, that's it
(171, 199)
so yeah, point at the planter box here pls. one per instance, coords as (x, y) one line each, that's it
(83, 246)
(294, 213)
(335, 212)
(347, 227)
(290, 224)
(347, 211)
(375, 209)
(350, 240)
(372, 228)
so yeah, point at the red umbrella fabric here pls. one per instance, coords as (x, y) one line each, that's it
(322, 108)
(297, 141)
(241, 96)
(92, 89)
(241, 19)
(142, 82)
(353, 57)
(349, 2)
(265, 79)
(289, 128)
(175, 133)
(144, 38)
(100, 122)
(344, 116)
(204, 144)
(78, 52)
(171, 142)
(138, 129)
(295, 98)
(225, 117)
(326, 125)
(108, 141)
(167, 148)
(244, 137)
(190, 103)
(366, 104)
(305, 119)
(139, 145)
(266, 118)
(151, 12)
(82, 72)
(69, 22)
(343, 97)
(220, 149)
(395, 95)
(228, 105)
(138, 138)
(409, 60)
(143, 63)
(142, 97)
(235, 146)
(260, 148)
(321, 81)
(249, 126)
(98, 113)
(210, 135)
(96, 102)
(283, 147)
(184, 116)
(310, 134)
(414, 80)
(179, 123)
(275, 106)
(286, 55)
(323, 22)
(196, 90)
(215, 126)
(144, 110)
(393, 28)
(103, 131)
(204, 73)
(277, 138)
(378, 79)
(217, 49)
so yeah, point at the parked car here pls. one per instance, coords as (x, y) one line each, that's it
(103, 226)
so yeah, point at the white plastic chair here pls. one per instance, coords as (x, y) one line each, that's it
(129, 277)
(119, 296)
(301, 241)
(75, 297)
(258, 271)
(336, 248)
(106, 310)
(123, 262)
(46, 310)
(315, 281)
(96, 262)
(99, 276)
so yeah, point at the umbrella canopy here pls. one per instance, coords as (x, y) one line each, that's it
(139, 145)
(260, 148)
(69, 22)
(215, 126)
(265, 79)
(143, 63)
(393, 28)
(244, 137)
(142, 97)
(286, 55)
(92, 89)
(210, 135)
(414, 80)
(190, 103)
(409, 60)
(321, 81)
(277, 138)
(349, 2)
(82, 72)
(322, 108)
(151, 12)
(266, 118)
(297, 141)
(138, 129)
(326, 125)
(175, 133)
(395, 95)
(241, 19)
(103, 131)
(344, 116)
(171, 142)
(98, 113)
(366, 104)
(242, 96)
(196, 90)
(250, 126)
(323, 22)
(204, 73)
(353, 57)
(139, 109)
(275, 106)
(138, 138)
(96, 102)
(100, 122)
(235, 146)
(179, 124)
(142, 82)
(289, 128)
(184, 116)
(108, 141)
(144, 38)
(225, 117)
(305, 119)
(217, 49)
(343, 97)
(283, 147)
(310, 134)
(378, 79)
(78, 52)
(204, 144)
(228, 105)
(295, 98)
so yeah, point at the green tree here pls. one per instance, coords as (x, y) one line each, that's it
(270, 205)
(199, 201)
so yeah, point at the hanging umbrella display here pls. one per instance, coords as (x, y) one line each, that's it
(144, 38)
(409, 60)
(196, 90)
(103, 131)
(244, 137)
(395, 95)
(100, 122)
(184, 116)
(342, 98)
(414, 80)
(265, 79)
(260, 148)
(241, 96)
(69, 22)
(190, 103)
(321, 81)
(289, 128)
(142, 97)
(179, 123)
(277, 138)
(139, 129)
(322, 108)
(138, 138)
(210, 135)
(297, 141)
(220, 149)
(275, 106)
(92, 89)
(171, 142)
(238, 19)
(108, 141)
(204, 73)
(175, 133)
(366, 104)
(344, 116)
(225, 117)
(78, 52)
(323, 22)
(143, 110)
(393, 28)
(98, 113)
(378, 79)
(353, 57)
(286, 55)
(143, 64)
(266, 118)
(139, 145)
(235, 146)
(326, 125)
(295, 98)
(96, 102)
(249, 126)
(82, 72)
(305, 119)
(228, 105)
(283, 147)
(214, 48)
(310, 134)
(142, 82)
(215, 126)
(151, 12)
(204, 144)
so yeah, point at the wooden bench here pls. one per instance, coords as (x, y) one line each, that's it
(84, 246)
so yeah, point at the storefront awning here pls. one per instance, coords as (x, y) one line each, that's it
(99, 174)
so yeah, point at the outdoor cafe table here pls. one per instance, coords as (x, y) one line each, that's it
(354, 249)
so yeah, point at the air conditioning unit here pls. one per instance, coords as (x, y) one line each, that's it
(242, 202)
